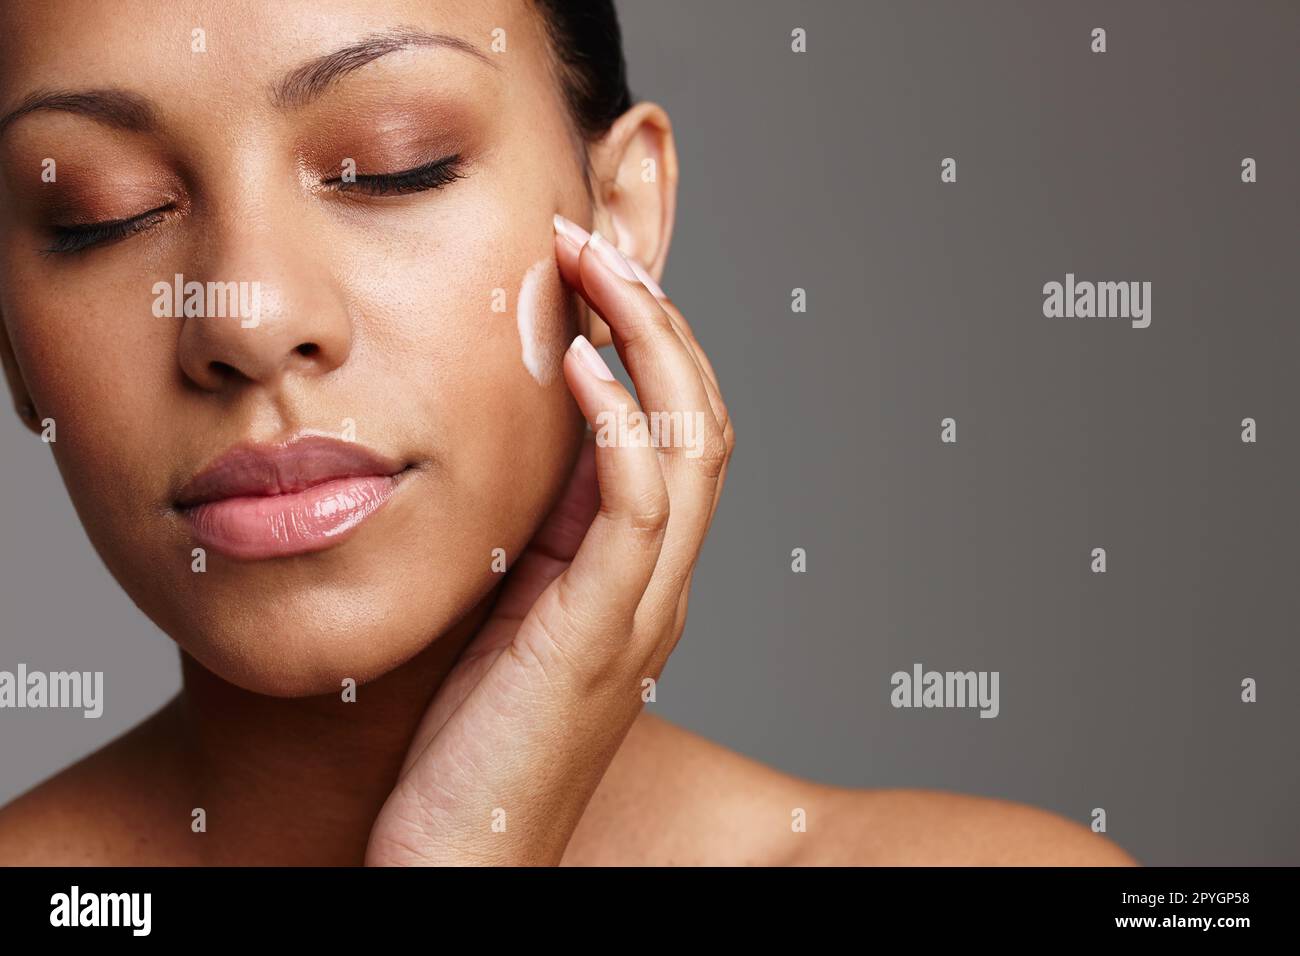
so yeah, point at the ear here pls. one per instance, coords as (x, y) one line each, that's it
(17, 388)
(634, 168)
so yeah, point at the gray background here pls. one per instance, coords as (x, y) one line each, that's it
(821, 171)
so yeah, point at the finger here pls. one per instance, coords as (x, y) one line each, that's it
(556, 542)
(569, 240)
(617, 557)
(687, 335)
(668, 382)
(697, 352)
(710, 377)
(679, 321)
(720, 412)
(567, 255)
(662, 363)
(665, 373)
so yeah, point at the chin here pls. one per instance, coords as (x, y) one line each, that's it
(308, 639)
(300, 626)
(294, 655)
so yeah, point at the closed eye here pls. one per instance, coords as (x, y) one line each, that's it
(432, 175)
(68, 239)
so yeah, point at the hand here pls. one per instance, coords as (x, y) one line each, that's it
(519, 735)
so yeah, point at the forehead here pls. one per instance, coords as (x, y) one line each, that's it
(207, 47)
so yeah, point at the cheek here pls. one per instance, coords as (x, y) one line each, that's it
(98, 365)
(469, 338)
(473, 322)
(508, 421)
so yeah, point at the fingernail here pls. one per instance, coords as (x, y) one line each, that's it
(647, 280)
(612, 258)
(590, 358)
(571, 230)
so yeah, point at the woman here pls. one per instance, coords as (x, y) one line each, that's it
(313, 301)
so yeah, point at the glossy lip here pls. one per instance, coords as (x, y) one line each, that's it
(264, 501)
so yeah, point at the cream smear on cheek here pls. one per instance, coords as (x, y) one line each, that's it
(542, 319)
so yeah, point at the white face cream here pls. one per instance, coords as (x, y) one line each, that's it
(542, 319)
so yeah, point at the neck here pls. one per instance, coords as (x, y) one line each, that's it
(299, 781)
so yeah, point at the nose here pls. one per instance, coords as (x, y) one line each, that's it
(283, 314)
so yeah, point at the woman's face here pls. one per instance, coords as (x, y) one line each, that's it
(380, 315)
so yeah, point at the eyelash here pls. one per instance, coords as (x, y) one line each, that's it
(434, 175)
(69, 239)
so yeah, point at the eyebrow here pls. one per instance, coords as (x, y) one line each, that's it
(116, 108)
(315, 76)
(130, 111)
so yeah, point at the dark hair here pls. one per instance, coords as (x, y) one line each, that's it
(588, 49)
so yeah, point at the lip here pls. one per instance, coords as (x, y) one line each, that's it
(267, 501)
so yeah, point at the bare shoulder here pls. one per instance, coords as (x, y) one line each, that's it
(94, 812)
(934, 828)
(672, 797)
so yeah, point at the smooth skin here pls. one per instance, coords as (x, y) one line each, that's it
(479, 700)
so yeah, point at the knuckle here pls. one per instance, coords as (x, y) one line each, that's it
(713, 457)
(646, 333)
(648, 516)
(649, 524)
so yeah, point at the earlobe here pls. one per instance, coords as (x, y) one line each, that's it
(17, 388)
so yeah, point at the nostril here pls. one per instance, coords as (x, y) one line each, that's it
(308, 349)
